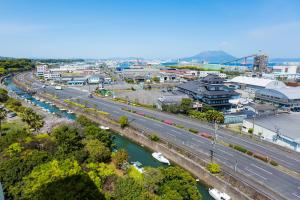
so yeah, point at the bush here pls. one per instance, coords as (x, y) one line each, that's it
(241, 149)
(154, 137)
(250, 153)
(123, 120)
(261, 157)
(213, 168)
(250, 130)
(193, 130)
(274, 163)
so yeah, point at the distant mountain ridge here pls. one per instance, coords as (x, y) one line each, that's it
(210, 56)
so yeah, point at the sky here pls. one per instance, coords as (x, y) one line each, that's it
(148, 28)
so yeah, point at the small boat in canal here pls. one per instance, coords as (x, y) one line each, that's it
(217, 195)
(158, 156)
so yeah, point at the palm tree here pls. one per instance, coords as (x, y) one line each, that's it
(2, 117)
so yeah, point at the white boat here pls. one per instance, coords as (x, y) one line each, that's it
(63, 109)
(158, 156)
(138, 166)
(70, 112)
(217, 195)
(104, 127)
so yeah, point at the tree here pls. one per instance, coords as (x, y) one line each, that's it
(97, 150)
(128, 189)
(14, 149)
(2, 117)
(84, 121)
(123, 120)
(179, 180)
(43, 175)
(94, 132)
(250, 130)
(153, 178)
(34, 120)
(119, 157)
(68, 138)
(3, 95)
(215, 116)
(156, 79)
(186, 105)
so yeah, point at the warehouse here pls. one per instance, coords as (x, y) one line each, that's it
(288, 97)
(282, 129)
(252, 84)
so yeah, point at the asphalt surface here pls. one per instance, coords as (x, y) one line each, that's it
(255, 170)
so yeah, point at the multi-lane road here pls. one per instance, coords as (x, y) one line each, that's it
(254, 170)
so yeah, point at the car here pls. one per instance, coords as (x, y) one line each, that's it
(11, 114)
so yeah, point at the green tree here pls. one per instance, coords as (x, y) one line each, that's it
(156, 79)
(215, 116)
(34, 120)
(97, 150)
(153, 178)
(3, 95)
(94, 132)
(123, 120)
(45, 174)
(84, 121)
(68, 138)
(2, 117)
(14, 149)
(119, 157)
(186, 105)
(128, 189)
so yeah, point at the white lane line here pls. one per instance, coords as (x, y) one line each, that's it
(255, 173)
(261, 168)
(194, 139)
(226, 152)
(175, 131)
(284, 161)
(157, 125)
(296, 195)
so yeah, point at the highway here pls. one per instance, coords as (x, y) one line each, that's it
(256, 170)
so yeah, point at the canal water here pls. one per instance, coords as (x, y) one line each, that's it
(135, 151)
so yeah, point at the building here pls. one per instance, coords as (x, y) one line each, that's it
(41, 70)
(203, 74)
(282, 129)
(288, 97)
(52, 75)
(252, 84)
(260, 63)
(170, 100)
(209, 90)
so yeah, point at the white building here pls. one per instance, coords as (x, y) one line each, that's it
(203, 74)
(51, 75)
(251, 84)
(40, 70)
(282, 129)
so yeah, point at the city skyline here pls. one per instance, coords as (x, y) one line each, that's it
(152, 29)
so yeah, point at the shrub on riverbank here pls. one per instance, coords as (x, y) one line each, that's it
(214, 168)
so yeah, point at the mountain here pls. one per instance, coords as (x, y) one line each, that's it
(211, 57)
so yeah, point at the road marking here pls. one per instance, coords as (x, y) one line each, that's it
(261, 169)
(296, 195)
(255, 173)
(225, 152)
(197, 140)
(158, 125)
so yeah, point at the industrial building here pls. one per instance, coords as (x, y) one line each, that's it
(260, 63)
(252, 84)
(288, 97)
(209, 90)
(171, 99)
(282, 129)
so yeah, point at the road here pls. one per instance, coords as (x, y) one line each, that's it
(254, 169)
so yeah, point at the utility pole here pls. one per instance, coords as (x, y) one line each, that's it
(211, 155)
(215, 131)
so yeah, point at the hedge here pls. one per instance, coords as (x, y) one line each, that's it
(261, 157)
(241, 149)
(193, 130)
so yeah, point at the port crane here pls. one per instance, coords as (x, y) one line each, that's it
(240, 59)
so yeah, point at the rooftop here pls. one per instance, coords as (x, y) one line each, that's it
(261, 82)
(288, 124)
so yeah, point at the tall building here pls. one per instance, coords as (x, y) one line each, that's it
(260, 63)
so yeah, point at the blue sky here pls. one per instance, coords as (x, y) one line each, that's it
(148, 28)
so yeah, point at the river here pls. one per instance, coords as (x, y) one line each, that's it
(135, 151)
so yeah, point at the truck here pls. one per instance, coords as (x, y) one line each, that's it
(58, 87)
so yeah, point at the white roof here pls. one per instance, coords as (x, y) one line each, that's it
(261, 82)
(290, 92)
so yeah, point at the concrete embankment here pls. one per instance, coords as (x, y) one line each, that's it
(225, 181)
